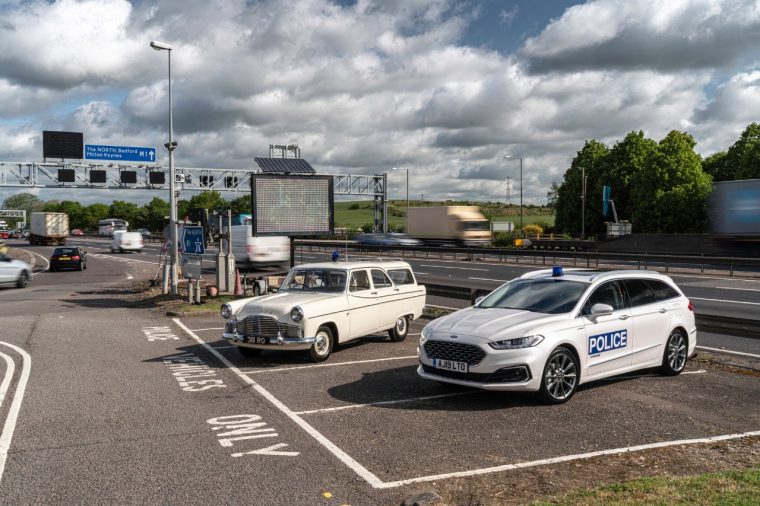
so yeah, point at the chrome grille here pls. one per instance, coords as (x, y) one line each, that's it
(459, 352)
(265, 326)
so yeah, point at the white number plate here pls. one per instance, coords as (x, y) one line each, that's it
(450, 365)
(260, 340)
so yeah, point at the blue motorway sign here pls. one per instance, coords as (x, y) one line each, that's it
(120, 153)
(192, 240)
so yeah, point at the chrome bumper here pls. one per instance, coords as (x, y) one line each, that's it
(291, 343)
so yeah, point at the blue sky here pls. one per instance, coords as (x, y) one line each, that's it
(444, 88)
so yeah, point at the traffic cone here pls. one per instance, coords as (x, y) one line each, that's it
(238, 287)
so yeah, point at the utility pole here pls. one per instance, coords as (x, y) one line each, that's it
(509, 195)
(583, 202)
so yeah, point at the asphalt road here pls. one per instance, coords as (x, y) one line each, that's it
(101, 402)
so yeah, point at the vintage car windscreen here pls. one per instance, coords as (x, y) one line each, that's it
(315, 280)
(551, 296)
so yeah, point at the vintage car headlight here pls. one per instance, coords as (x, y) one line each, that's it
(226, 311)
(296, 314)
(520, 342)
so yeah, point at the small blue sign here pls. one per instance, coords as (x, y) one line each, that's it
(192, 240)
(120, 153)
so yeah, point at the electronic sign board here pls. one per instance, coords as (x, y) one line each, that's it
(62, 144)
(292, 205)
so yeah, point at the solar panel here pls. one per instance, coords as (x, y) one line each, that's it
(285, 166)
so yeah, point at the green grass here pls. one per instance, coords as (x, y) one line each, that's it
(728, 487)
(357, 213)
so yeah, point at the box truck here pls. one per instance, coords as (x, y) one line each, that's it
(450, 225)
(49, 228)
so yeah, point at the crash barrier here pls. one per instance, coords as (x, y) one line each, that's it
(732, 266)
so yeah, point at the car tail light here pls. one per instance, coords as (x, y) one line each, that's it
(690, 306)
(75, 257)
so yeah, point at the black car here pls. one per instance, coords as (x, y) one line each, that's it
(68, 258)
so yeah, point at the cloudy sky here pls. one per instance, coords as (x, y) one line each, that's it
(443, 88)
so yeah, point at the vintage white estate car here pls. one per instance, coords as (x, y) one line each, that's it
(550, 331)
(320, 305)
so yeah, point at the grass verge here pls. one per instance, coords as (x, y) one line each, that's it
(726, 487)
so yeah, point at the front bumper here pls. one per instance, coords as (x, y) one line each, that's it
(516, 370)
(274, 343)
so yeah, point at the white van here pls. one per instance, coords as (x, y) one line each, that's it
(126, 241)
(261, 251)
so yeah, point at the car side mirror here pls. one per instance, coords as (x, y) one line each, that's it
(600, 309)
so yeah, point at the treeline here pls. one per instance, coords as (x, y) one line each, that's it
(151, 215)
(660, 187)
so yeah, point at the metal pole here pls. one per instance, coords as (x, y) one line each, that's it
(172, 189)
(521, 197)
(407, 201)
(583, 201)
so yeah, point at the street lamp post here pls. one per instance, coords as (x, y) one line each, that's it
(510, 157)
(171, 146)
(406, 230)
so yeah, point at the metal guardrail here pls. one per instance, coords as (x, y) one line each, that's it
(548, 257)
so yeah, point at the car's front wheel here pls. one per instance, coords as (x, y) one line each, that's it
(560, 378)
(249, 352)
(400, 329)
(321, 349)
(23, 279)
(674, 357)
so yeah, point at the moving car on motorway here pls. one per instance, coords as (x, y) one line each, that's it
(14, 272)
(77, 231)
(68, 258)
(390, 239)
(321, 305)
(126, 241)
(550, 331)
(144, 231)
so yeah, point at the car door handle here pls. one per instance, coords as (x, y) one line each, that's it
(373, 293)
(663, 310)
(623, 317)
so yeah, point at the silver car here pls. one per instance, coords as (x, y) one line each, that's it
(552, 330)
(14, 272)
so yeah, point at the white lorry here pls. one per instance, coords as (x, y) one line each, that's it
(260, 251)
(49, 228)
(451, 225)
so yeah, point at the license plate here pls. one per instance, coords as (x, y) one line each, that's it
(260, 340)
(450, 365)
(64, 258)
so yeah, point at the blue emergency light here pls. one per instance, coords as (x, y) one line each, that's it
(557, 271)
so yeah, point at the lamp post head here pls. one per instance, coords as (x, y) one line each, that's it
(160, 46)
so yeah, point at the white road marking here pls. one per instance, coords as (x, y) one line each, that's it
(728, 352)
(457, 268)
(489, 279)
(129, 276)
(742, 289)
(10, 421)
(700, 371)
(385, 403)
(352, 464)
(10, 368)
(212, 328)
(444, 307)
(418, 273)
(729, 301)
(567, 458)
(47, 262)
(331, 364)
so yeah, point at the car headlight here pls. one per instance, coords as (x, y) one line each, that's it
(226, 311)
(425, 333)
(520, 342)
(296, 314)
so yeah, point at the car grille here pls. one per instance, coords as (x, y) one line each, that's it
(517, 374)
(265, 326)
(458, 352)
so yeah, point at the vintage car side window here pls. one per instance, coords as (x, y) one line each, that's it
(663, 291)
(380, 280)
(401, 276)
(607, 293)
(639, 292)
(359, 281)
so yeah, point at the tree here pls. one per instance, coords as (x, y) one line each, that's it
(124, 210)
(716, 165)
(591, 160)
(671, 192)
(552, 195)
(627, 158)
(743, 157)
(92, 214)
(208, 200)
(23, 202)
(241, 205)
(154, 213)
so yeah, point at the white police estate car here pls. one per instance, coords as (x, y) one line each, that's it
(552, 330)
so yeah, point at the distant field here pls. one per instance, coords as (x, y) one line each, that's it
(363, 214)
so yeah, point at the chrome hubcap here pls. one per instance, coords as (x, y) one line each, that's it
(676, 352)
(401, 326)
(321, 345)
(561, 376)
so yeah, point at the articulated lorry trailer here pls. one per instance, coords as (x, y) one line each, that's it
(49, 228)
(449, 225)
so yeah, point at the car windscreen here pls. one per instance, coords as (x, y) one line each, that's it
(64, 251)
(315, 280)
(550, 296)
